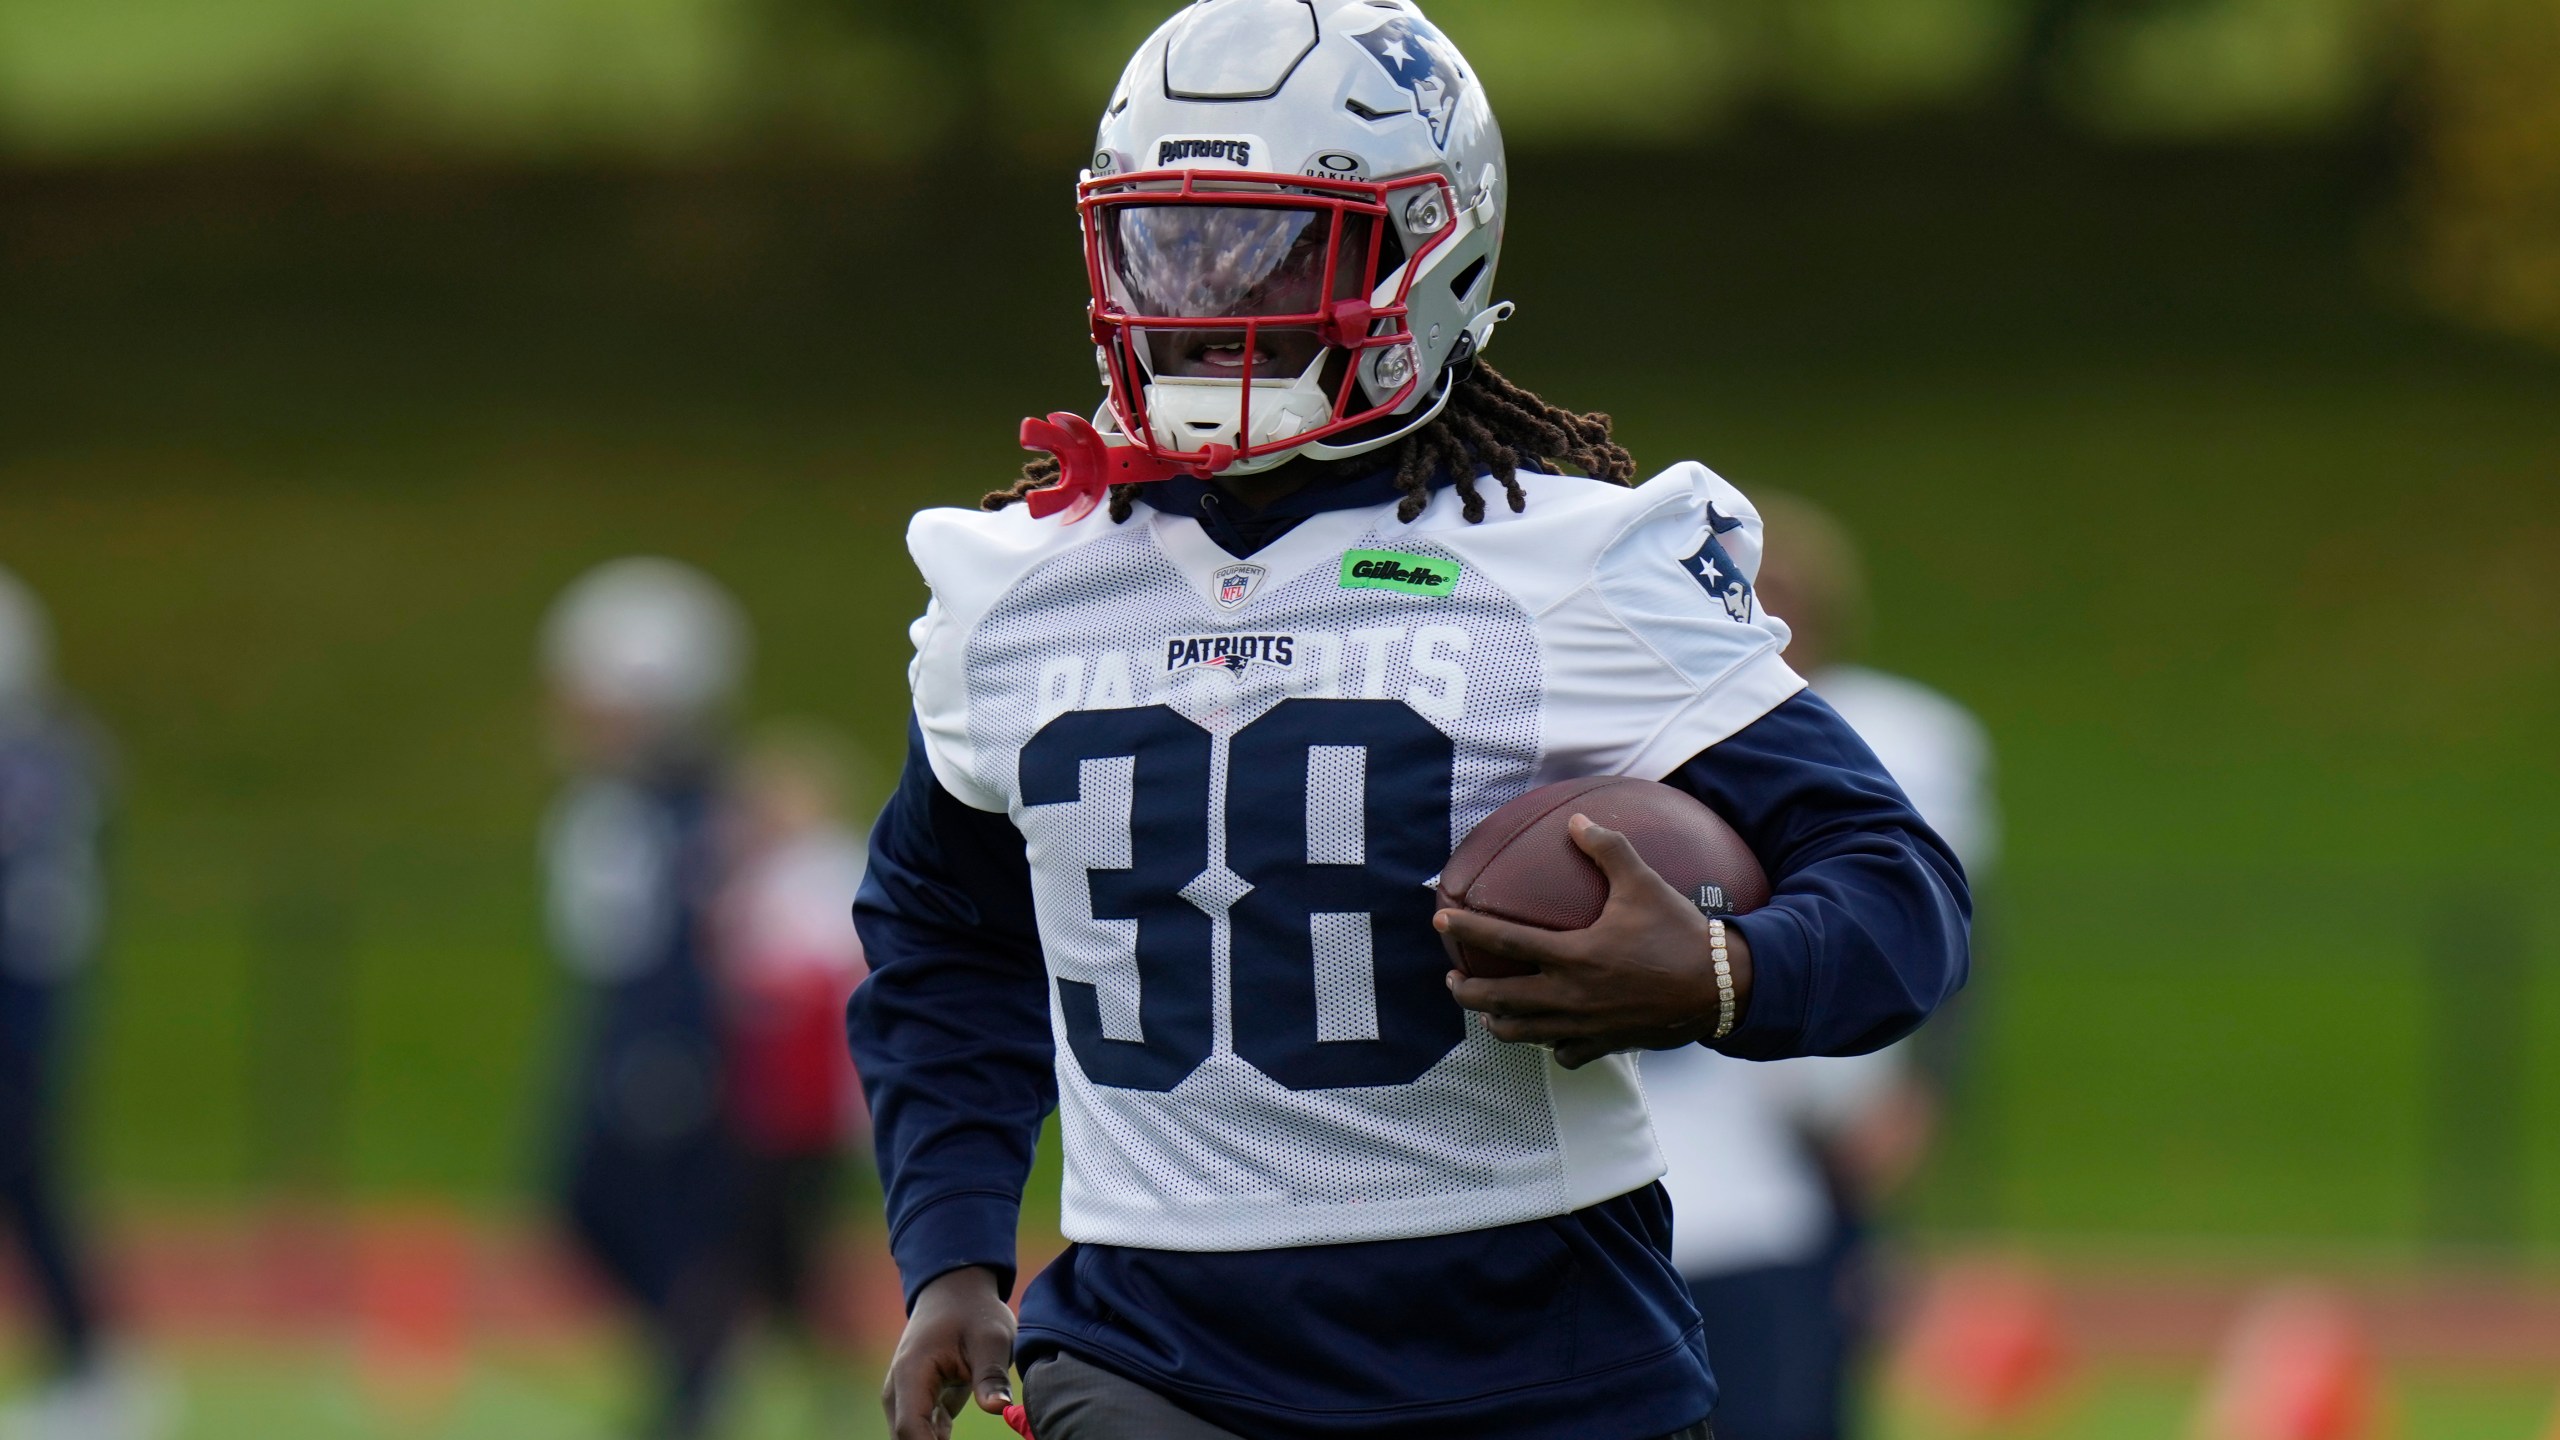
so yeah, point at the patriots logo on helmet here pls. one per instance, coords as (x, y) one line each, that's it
(1713, 568)
(1424, 62)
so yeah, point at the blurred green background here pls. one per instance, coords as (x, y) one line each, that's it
(2181, 363)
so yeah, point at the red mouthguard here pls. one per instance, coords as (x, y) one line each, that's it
(1089, 466)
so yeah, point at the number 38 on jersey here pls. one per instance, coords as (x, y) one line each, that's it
(1316, 833)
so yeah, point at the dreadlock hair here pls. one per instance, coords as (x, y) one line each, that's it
(1489, 427)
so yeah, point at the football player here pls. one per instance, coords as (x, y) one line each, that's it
(1202, 707)
(643, 658)
(788, 961)
(53, 804)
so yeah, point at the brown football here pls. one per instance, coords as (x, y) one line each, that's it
(1521, 864)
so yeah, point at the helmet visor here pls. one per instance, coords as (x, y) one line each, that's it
(1232, 263)
(1217, 262)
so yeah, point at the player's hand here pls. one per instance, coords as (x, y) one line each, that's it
(958, 1346)
(1641, 978)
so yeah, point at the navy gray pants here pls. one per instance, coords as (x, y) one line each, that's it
(1786, 1342)
(30, 1189)
(1071, 1400)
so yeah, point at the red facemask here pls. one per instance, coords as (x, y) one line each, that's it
(1245, 277)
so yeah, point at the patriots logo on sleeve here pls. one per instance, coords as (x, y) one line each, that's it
(1423, 62)
(1713, 568)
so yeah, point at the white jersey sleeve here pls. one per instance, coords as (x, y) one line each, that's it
(969, 560)
(1651, 632)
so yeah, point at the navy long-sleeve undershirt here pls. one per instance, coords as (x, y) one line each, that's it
(951, 1030)
(1867, 927)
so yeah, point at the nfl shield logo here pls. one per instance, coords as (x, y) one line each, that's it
(1236, 584)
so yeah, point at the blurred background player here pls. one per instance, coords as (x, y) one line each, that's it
(644, 658)
(53, 799)
(1777, 1169)
(788, 961)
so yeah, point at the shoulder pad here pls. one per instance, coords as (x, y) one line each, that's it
(969, 559)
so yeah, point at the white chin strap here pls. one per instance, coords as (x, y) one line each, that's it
(1181, 412)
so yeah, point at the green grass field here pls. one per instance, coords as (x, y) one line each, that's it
(248, 1394)
(2255, 578)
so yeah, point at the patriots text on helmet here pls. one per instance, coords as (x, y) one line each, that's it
(1238, 153)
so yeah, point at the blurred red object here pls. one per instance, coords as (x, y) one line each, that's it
(1986, 1347)
(2297, 1365)
(299, 1258)
(413, 1335)
(792, 1088)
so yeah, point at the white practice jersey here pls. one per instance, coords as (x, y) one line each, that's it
(1933, 748)
(1237, 781)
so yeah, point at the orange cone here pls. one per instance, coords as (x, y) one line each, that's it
(1986, 1347)
(413, 1313)
(2296, 1366)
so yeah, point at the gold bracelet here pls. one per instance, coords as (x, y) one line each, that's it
(1724, 977)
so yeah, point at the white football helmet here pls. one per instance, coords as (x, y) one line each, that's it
(1292, 222)
(647, 637)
